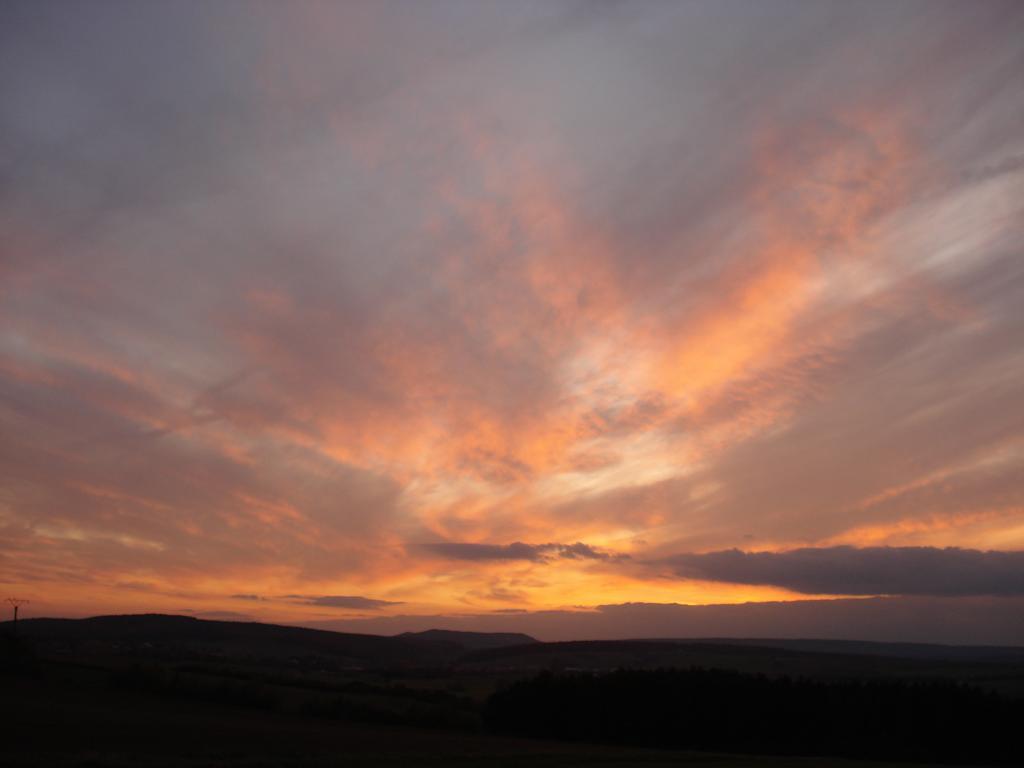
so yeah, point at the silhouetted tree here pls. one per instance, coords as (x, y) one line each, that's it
(729, 711)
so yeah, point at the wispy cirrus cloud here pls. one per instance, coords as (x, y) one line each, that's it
(658, 278)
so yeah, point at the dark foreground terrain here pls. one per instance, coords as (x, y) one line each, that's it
(168, 691)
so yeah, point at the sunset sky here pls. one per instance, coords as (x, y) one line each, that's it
(520, 315)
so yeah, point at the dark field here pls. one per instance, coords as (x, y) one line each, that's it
(155, 691)
(72, 717)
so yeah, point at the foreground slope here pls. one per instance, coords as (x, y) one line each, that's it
(72, 716)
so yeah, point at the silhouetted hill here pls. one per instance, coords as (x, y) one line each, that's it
(165, 638)
(185, 637)
(472, 641)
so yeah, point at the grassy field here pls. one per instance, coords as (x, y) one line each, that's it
(74, 716)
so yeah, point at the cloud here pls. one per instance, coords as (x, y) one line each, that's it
(847, 570)
(659, 274)
(344, 601)
(467, 551)
(517, 550)
(581, 551)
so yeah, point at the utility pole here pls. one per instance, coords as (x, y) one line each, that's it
(15, 602)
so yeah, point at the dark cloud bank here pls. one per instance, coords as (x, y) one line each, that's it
(841, 570)
(864, 571)
(349, 601)
(328, 601)
(518, 550)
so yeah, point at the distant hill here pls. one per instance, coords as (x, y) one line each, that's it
(472, 641)
(164, 638)
(922, 651)
(188, 638)
(996, 668)
(741, 653)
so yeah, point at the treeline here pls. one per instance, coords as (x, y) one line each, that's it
(733, 712)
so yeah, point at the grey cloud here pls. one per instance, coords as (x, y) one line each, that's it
(518, 550)
(1010, 164)
(581, 551)
(344, 601)
(466, 551)
(863, 571)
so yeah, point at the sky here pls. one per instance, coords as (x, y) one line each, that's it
(587, 319)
